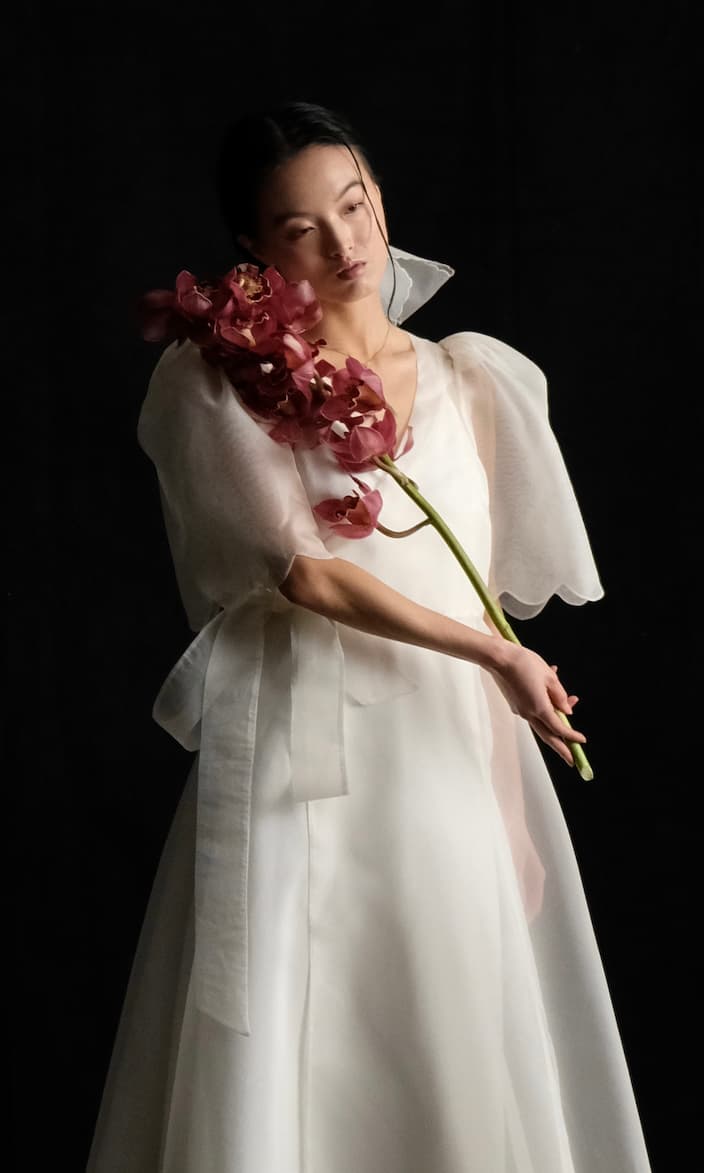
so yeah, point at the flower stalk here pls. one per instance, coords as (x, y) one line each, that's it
(492, 605)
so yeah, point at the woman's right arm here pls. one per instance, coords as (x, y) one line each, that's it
(344, 592)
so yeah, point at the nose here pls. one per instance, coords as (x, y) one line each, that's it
(338, 243)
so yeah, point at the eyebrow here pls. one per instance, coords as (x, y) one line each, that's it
(283, 216)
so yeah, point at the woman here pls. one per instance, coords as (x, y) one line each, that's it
(367, 948)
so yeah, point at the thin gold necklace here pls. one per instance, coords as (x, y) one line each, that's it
(371, 356)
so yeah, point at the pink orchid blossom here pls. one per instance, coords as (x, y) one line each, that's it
(295, 305)
(240, 311)
(353, 516)
(357, 441)
(356, 389)
(174, 313)
(193, 299)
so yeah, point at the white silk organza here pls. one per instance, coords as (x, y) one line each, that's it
(540, 545)
(540, 548)
(236, 515)
(237, 512)
(417, 280)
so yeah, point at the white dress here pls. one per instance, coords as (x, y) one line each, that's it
(367, 948)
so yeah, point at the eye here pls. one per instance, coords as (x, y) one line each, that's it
(298, 232)
(353, 207)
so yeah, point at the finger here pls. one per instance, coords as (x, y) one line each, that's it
(555, 743)
(564, 752)
(558, 696)
(555, 725)
(568, 732)
(560, 746)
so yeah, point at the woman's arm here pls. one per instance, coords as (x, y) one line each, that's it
(344, 592)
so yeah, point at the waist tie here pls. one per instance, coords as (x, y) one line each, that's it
(208, 702)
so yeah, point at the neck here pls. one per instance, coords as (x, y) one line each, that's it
(356, 329)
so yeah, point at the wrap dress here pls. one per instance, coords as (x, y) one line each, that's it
(367, 948)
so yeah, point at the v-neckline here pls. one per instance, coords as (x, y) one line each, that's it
(401, 439)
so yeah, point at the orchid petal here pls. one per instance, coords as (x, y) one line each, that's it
(351, 516)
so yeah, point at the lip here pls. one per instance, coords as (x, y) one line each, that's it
(352, 270)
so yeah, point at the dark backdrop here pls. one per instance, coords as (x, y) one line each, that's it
(549, 154)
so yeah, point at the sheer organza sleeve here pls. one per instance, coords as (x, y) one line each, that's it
(540, 545)
(235, 509)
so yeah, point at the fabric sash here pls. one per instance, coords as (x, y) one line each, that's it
(208, 702)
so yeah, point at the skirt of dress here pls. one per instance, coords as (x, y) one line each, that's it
(420, 1001)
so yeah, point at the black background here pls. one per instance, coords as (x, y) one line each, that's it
(550, 154)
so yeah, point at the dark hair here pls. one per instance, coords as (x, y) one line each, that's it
(255, 144)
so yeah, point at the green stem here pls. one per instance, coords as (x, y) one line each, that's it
(492, 605)
(401, 533)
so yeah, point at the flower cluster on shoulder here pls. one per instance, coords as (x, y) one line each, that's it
(251, 324)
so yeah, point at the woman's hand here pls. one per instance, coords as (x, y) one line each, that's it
(533, 691)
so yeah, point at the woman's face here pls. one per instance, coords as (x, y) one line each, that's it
(315, 218)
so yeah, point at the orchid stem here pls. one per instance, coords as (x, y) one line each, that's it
(402, 533)
(492, 605)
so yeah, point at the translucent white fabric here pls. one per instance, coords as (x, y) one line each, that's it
(235, 510)
(236, 514)
(417, 280)
(410, 980)
(540, 546)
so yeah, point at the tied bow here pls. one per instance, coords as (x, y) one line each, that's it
(208, 702)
